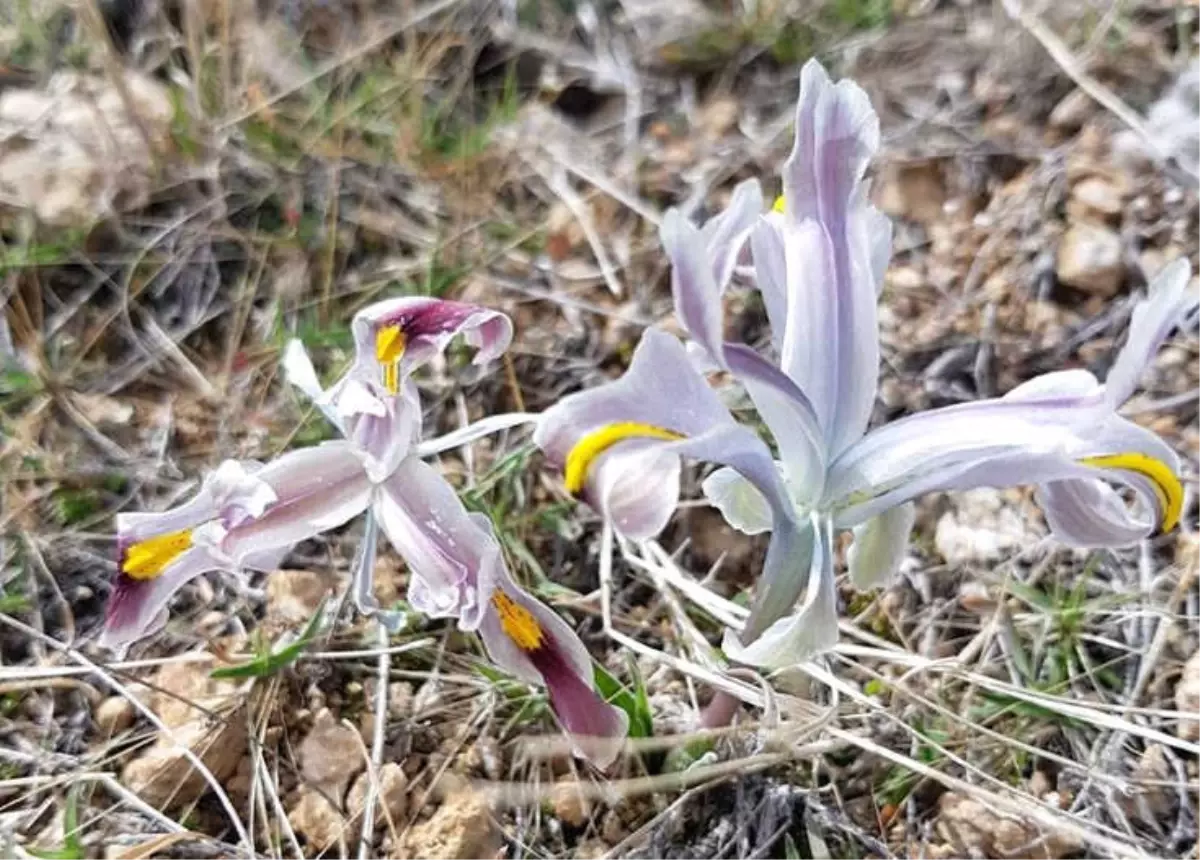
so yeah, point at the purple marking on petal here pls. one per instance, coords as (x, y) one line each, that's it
(596, 727)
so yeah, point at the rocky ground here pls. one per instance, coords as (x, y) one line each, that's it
(185, 186)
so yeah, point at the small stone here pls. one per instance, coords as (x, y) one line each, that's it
(185, 692)
(462, 828)
(1095, 199)
(1187, 700)
(294, 595)
(331, 754)
(1073, 111)
(913, 190)
(1089, 259)
(976, 830)
(570, 805)
(400, 700)
(612, 828)
(1154, 804)
(114, 715)
(976, 598)
(164, 777)
(981, 527)
(719, 116)
(392, 800)
(316, 819)
(1040, 784)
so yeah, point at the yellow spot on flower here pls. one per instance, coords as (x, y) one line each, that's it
(389, 347)
(149, 558)
(779, 205)
(1167, 487)
(592, 445)
(518, 623)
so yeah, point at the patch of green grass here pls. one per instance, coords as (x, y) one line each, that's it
(447, 134)
(72, 845)
(73, 505)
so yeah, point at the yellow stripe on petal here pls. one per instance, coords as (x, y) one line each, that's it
(389, 347)
(149, 558)
(1165, 482)
(518, 623)
(779, 205)
(595, 443)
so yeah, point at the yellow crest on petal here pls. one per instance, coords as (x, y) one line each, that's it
(149, 558)
(1166, 484)
(518, 623)
(389, 347)
(594, 443)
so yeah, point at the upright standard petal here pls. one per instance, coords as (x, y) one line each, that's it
(394, 337)
(1170, 300)
(527, 639)
(452, 556)
(833, 243)
(783, 405)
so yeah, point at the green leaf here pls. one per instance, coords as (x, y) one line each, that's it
(72, 846)
(633, 703)
(270, 662)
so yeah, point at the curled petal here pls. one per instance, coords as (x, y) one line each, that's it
(528, 640)
(725, 234)
(1009, 442)
(394, 337)
(1170, 300)
(1089, 513)
(776, 636)
(661, 404)
(317, 489)
(453, 557)
(739, 501)
(879, 547)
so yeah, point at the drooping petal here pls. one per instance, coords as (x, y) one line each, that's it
(1169, 301)
(792, 637)
(394, 337)
(662, 405)
(879, 547)
(1089, 513)
(833, 244)
(316, 489)
(452, 556)
(739, 501)
(1011, 442)
(138, 607)
(528, 640)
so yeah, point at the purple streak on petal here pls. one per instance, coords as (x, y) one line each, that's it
(137, 608)
(563, 665)
(429, 325)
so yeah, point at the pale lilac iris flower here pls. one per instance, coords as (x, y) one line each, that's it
(248, 517)
(818, 261)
